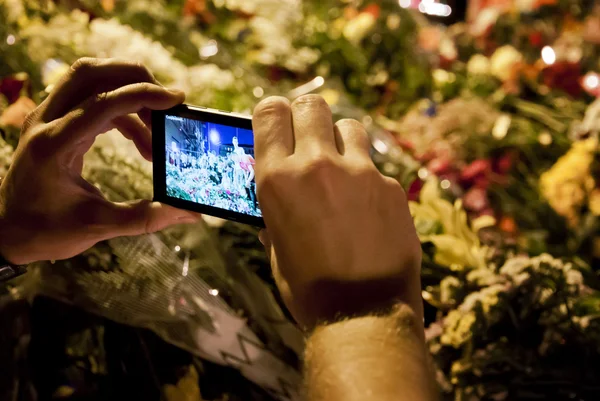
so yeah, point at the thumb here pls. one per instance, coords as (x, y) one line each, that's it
(265, 240)
(263, 237)
(143, 217)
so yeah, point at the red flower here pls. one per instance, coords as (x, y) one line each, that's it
(505, 162)
(475, 170)
(564, 76)
(536, 39)
(372, 9)
(439, 166)
(414, 190)
(13, 87)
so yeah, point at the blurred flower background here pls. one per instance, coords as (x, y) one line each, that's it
(490, 122)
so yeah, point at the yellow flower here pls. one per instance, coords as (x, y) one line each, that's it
(568, 184)
(458, 328)
(357, 28)
(594, 202)
(503, 60)
(457, 245)
(478, 65)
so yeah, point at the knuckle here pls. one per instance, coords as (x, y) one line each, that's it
(270, 179)
(272, 106)
(29, 121)
(319, 164)
(140, 69)
(83, 65)
(311, 100)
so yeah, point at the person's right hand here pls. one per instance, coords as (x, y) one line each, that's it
(343, 241)
(47, 210)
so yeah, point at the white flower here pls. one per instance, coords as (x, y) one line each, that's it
(503, 61)
(478, 65)
(484, 277)
(206, 76)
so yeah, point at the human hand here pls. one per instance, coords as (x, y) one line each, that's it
(15, 114)
(340, 235)
(47, 210)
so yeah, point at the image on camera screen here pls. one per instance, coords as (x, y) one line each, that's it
(211, 164)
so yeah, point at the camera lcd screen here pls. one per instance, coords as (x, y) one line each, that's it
(208, 161)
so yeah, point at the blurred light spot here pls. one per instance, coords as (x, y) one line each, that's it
(545, 138)
(209, 50)
(405, 3)
(445, 184)
(380, 146)
(214, 292)
(11, 39)
(258, 92)
(423, 173)
(431, 7)
(591, 82)
(501, 126)
(548, 55)
(177, 248)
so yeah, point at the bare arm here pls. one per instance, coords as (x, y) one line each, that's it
(341, 243)
(369, 358)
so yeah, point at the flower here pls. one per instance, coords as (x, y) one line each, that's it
(476, 199)
(503, 61)
(448, 287)
(458, 328)
(478, 65)
(358, 27)
(456, 243)
(594, 202)
(565, 76)
(569, 182)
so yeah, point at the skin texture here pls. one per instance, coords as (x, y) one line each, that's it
(343, 251)
(47, 210)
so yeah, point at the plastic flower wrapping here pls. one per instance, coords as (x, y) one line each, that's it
(491, 125)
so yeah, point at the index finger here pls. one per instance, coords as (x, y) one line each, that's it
(83, 124)
(273, 132)
(87, 77)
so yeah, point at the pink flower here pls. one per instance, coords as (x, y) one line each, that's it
(439, 166)
(476, 200)
(476, 169)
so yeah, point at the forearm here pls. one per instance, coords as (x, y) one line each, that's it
(369, 358)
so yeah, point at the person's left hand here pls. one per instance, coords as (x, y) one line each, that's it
(47, 210)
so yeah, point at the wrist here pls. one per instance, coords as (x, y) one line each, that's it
(328, 302)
